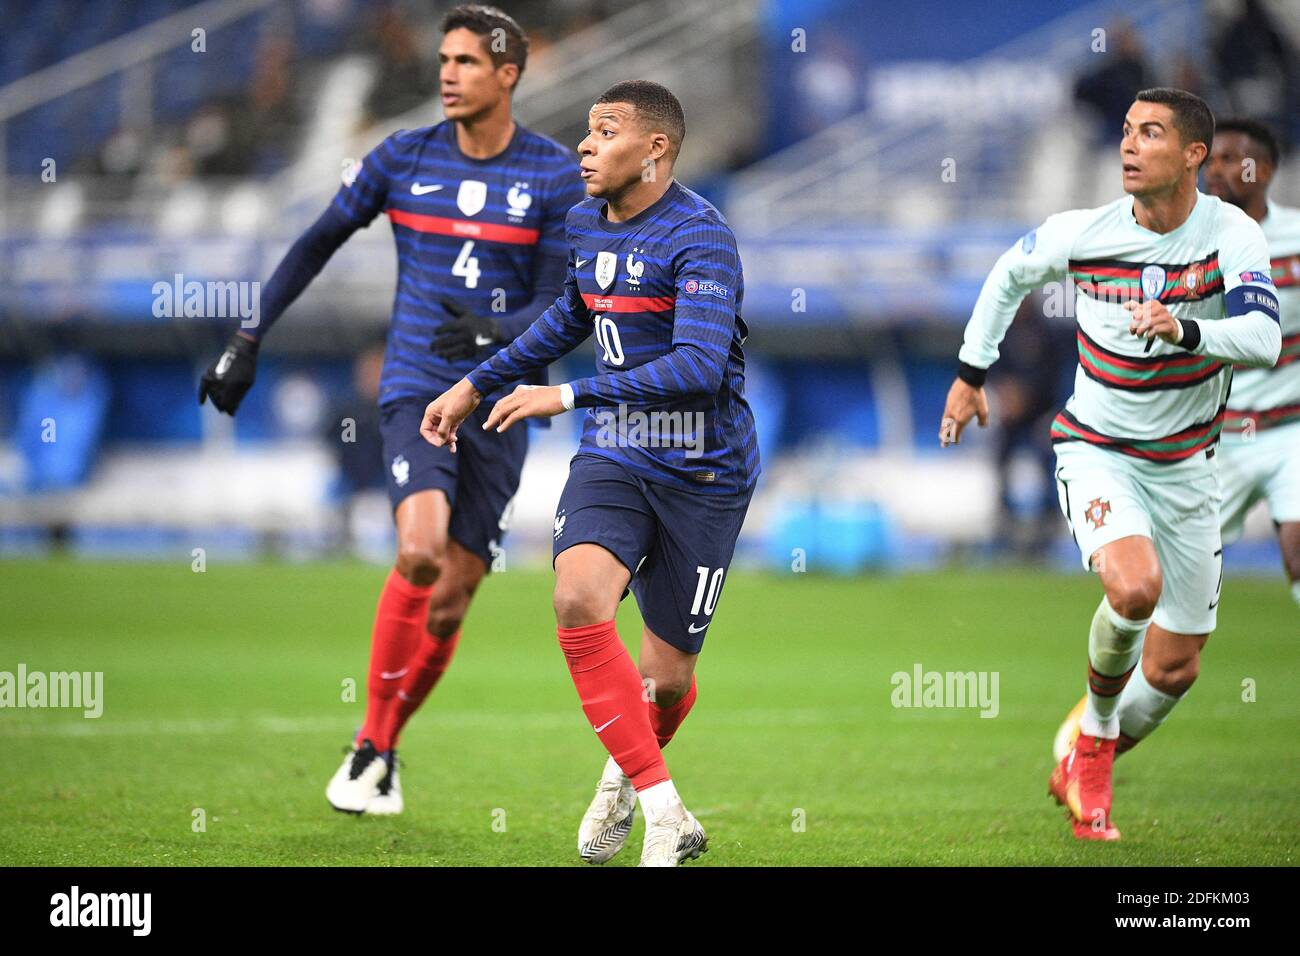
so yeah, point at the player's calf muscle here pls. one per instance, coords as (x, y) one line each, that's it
(447, 613)
(668, 669)
(1288, 536)
(459, 576)
(1172, 662)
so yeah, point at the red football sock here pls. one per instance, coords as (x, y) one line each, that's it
(610, 689)
(665, 720)
(399, 622)
(427, 664)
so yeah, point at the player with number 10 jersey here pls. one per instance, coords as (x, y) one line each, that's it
(661, 483)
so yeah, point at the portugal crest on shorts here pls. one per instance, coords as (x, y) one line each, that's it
(1153, 281)
(1096, 512)
(606, 269)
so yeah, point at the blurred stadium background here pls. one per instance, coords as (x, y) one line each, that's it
(823, 129)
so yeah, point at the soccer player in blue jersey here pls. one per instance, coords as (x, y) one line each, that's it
(662, 479)
(477, 205)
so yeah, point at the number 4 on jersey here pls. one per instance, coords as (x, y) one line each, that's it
(467, 265)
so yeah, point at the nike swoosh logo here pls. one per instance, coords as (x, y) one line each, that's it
(695, 630)
(418, 190)
(579, 263)
(482, 340)
(384, 675)
(605, 724)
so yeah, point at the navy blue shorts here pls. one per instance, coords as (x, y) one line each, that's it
(480, 478)
(677, 544)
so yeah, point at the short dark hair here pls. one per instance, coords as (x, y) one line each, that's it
(655, 106)
(1254, 129)
(508, 46)
(1192, 116)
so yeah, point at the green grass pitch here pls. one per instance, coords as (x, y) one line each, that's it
(223, 693)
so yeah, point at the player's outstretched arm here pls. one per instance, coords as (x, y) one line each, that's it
(443, 416)
(965, 401)
(228, 379)
(361, 197)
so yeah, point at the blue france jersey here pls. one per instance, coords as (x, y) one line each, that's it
(663, 293)
(487, 234)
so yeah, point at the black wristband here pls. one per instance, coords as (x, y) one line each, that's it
(1191, 334)
(971, 375)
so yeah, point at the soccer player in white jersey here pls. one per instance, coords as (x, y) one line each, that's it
(1171, 290)
(1259, 459)
(1259, 450)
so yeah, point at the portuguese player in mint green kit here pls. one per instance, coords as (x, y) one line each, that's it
(1260, 455)
(1172, 289)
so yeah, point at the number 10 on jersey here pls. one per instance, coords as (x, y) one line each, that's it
(607, 336)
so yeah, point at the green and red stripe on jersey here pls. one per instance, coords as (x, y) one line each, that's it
(1144, 373)
(1115, 280)
(1176, 447)
(1289, 355)
(1236, 419)
(1286, 271)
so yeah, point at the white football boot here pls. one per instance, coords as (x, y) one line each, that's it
(608, 820)
(356, 782)
(674, 837)
(387, 801)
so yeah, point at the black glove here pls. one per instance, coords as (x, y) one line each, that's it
(461, 336)
(230, 377)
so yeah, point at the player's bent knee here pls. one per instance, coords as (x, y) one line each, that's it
(419, 563)
(581, 603)
(1135, 596)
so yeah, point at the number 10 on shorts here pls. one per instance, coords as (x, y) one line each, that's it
(714, 589)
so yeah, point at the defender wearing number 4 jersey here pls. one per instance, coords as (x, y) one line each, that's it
(1260, 454)
(1172, 289)
(477, 206)
(659, 488)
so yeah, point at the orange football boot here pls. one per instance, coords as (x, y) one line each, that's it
(1081, 784)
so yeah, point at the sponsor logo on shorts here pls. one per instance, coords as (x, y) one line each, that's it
(1096, 512)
